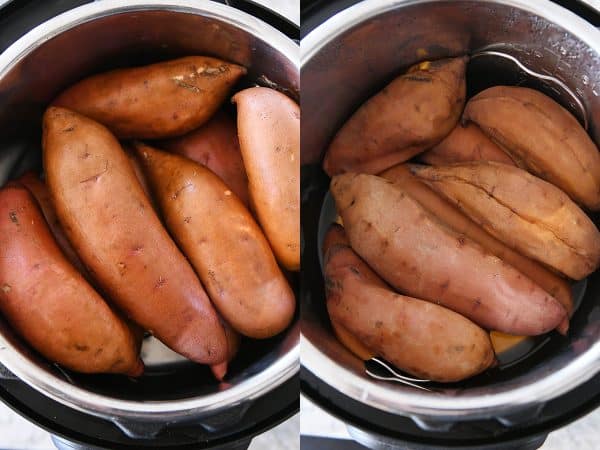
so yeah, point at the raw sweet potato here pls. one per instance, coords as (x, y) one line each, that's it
(233, 346)
(269, 132)
(49, 303)
(110, 222)
(422, 338)
(422, 257)
(451, 216)
(222, 241)
(216, 146)
(541, 136)
(161, 100)
(464, 144)
(413, 113)
(525, 212)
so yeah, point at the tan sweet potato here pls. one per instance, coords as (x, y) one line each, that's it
(464, 144)
(110, 222)
(216, 146)
(269, 132)
(422, 257)
(541, 136)
(161, 100)
(413, 113)
(39, 190)
(422, 338)
(222, 241)
(49, 303)
(451, 216)
(525, 212)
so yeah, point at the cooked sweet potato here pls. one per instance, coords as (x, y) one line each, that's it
(161, 100)
(222, 241)
(451, 216)
(216, 146)
(110, 222)
(525, 212)
(39, 190)
(233, 346)
(49, 303)
(541, 136)
(422, 338)
(464, 144)
(269, 132)
(419, 255)
(413, 113)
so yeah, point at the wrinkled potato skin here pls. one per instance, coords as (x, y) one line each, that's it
(422, 338)
(420, 256)
(112, 226)
(161, 100)
(269, 133)
(39, 190)
(551, 229)
(412, 113)
(541, 136)
(48, 301)
(216, 146)
(222, 241)
(464, 144)
(450, 215)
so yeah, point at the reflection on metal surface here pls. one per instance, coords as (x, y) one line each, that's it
(375, 365)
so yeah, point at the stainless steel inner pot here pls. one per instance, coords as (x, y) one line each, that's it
(104, 35)
(353, 55)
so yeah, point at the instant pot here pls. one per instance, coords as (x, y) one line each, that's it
(350, 50)
(47, 46)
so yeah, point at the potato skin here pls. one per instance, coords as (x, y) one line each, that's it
(464, 144)
(222, 241)
(412, 113)
(48, 301)
(422, 338)
(550, 229)
(40, 191)
(114, 229)
(216, 146)
(420, 256)
(269, 133)
(160, 100)
(450, 215)
(541, 136)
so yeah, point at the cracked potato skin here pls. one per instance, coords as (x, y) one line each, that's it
(422, 257)
(112, 225)
(412, 113)
(157, 101)
(49, 303)
(542, 137)
(222, 241)
(527, 213)
(422, 338)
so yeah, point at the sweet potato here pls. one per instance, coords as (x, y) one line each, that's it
(422, 338)
(451, 216)
(413, 113)
(233, 346)
(525, 212)
(216, 146)
(269, 132)
(110, 222)
(464, 144)
(422, 257)
(49, 303)
(161, 100)
(39, 190)
(541, 136)
(222, 241)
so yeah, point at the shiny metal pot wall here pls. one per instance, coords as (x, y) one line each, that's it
(104, 35)
(351, 56)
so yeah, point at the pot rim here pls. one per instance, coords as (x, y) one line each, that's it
(410, 402)
(104, 406)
